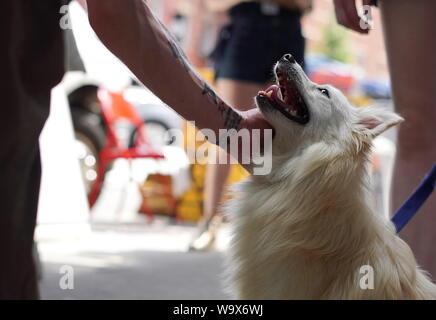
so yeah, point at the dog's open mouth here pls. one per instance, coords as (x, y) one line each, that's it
(286, 98)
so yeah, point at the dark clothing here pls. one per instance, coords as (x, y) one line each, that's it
(31, 63)
(248, 48)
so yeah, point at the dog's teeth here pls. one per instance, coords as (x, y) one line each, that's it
(293, 112)
(286, 99)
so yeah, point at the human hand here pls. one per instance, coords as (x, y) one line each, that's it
(253, 119)
(260, 143)
(347, 15)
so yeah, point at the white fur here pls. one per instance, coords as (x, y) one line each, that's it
(304, 230)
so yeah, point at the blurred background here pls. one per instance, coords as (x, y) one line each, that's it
(123, 225)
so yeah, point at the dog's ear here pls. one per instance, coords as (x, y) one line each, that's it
(372, 121)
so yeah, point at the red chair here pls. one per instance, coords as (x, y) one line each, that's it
(114, 108)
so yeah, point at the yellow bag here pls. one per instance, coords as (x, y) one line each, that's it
(190, 205)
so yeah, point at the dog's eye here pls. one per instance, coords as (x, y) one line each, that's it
(324, 92)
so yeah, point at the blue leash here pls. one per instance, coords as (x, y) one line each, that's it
(415, 201)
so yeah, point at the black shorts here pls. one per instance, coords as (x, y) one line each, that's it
(248, 48)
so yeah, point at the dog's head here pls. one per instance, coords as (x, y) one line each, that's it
(304, 113)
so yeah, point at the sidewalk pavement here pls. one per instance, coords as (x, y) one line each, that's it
(133, 261)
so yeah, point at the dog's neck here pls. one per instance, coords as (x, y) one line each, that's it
(327, 195)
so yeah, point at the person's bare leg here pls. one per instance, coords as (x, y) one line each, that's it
(409, 28)
(241, 96)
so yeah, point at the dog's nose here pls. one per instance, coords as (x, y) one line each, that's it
(288, 57)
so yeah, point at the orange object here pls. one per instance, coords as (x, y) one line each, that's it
(114, 107)
(157, 195)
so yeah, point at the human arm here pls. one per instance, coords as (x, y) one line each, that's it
(131, 31)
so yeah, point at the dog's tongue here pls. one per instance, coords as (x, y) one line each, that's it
(275, 89)
(276, 95)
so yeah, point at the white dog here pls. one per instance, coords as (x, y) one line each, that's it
(308, 230)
